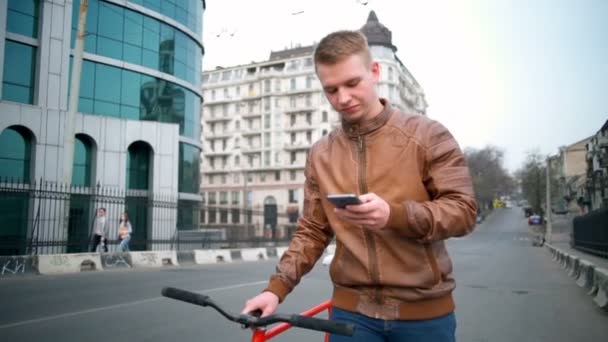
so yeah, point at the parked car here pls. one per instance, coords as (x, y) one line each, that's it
(535, 220)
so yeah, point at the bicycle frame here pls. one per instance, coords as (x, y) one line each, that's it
(262, 335)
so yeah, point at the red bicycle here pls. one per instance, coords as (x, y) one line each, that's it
(304, 320)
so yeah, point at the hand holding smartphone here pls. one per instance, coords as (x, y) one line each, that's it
(342, 200)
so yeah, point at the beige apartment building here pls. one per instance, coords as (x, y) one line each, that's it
(258, 122)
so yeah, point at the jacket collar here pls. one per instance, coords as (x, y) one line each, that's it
(356, 129)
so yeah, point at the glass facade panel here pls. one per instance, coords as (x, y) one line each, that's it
(111, 91)
(81, 170)
(15, 155)
(138, 166)
(188, 215)
(189, 168)
(22, 17)
(138, 39)
(186, 12)
(19, 72)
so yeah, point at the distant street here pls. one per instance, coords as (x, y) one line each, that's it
(507, 291)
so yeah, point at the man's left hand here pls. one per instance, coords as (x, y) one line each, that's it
(372, 214)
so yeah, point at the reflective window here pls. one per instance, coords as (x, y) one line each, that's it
(111, 91)
(83, 152)
(188, 215)
(22, 17)
(138, 166)
(186, 12)
(116, 32)
(15, 154)
(189, 168)
(19, 72)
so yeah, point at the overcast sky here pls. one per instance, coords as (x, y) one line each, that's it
(516, 74)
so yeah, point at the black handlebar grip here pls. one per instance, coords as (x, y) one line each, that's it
(329, 326)
(186, 296)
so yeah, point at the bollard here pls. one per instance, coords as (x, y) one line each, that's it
(600, 280)
(585, 276)
(574, 267)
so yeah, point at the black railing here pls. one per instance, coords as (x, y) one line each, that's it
(590, 232)
(48, 218)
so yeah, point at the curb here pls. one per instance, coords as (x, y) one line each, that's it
(15, 266)
(593, 279)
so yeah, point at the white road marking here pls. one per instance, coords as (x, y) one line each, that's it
(121, 305)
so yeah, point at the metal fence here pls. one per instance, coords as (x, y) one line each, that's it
(590, 232)
(49, 218)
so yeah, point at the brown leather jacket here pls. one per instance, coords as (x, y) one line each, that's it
(402, 271)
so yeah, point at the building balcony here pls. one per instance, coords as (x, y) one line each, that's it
(249, 114)
(251, 131)
(300, 126)
(297, 165)
(213, 135)
(298, 145)
(215, 170)
(299, 109)
(211, 153)
(217, 118)
(602, 141)
(251, 149)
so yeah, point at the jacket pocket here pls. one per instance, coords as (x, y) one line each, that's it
(433, 263)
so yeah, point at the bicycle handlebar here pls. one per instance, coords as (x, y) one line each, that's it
(246, 320)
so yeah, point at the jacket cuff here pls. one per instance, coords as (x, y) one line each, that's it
(397, 218)
(277, 287)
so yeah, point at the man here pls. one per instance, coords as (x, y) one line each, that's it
(391, 272)
(100, 231)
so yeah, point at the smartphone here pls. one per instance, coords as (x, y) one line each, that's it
(342, 200)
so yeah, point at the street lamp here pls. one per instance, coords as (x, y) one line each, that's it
(549, 229)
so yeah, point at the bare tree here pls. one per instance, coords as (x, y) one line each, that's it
(533, 181)
(490, 179)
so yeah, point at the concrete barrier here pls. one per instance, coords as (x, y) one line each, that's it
(574, 267)
(11, 266)
(69, 263)
(564, 260)
(600, 281)
(212, 256)
(110, 261)
(254, 254)
(281, 251)
(186, 258)
(154, 259)
(585, 276)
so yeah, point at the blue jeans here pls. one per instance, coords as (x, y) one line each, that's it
(124, 244)
(441, 329)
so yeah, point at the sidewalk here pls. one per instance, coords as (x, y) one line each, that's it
(560, 238)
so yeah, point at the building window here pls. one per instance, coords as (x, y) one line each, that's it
(267, 123)
(212, 216)
(262, 177)
(390, 73)
(16, 144)
(293, 157)
(324, 116)
(211, 179)
(223, 197)
(308, 82)
(267, 158)
(267, 139)
(19, 72)
(308, 100)
(22, 17)
(139, 39)
(81, 169)
(189, 168)
(235, 197)
(292, 101)
(267, 86)
(293, 196)
(292, 83)
(223, 179)
(277, 86)
(138, 166)
(324, 132)
(277, 175)
(309, 137)
(112, 91)
(237, 160)
(292, 175)
(212, 198)
(236, 216)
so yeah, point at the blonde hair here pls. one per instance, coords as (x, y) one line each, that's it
(339, 45)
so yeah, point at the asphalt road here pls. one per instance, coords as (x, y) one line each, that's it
(507, 291)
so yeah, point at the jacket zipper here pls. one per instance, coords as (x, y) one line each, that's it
(371, 241)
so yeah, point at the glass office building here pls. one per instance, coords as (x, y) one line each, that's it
(137, 125)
